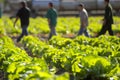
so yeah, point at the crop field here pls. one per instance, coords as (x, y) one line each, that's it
(63, 57)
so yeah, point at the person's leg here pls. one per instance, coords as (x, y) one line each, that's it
(81, 31)
(103, 30)
(19, 38)
(52, 32)
(86, 33)
(24, 32)
(110, 29)
(50, 35)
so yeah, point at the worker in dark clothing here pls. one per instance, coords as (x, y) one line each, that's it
(24, 15)
(108, 19)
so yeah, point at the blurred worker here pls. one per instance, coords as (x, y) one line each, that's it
(83, 20)
(24, 15)
(52, 19)
(108, 19)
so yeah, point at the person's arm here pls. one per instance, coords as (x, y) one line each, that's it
(83, 21)
(106, 16)
(48, 21)
(48, 16)
(17, 17)
(16, 20)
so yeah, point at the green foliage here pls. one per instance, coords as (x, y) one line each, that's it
(18, 65)
(2, 31)
(83, 56)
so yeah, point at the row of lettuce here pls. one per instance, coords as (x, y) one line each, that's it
(84, 58)
(66, 25)
(15, 64)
